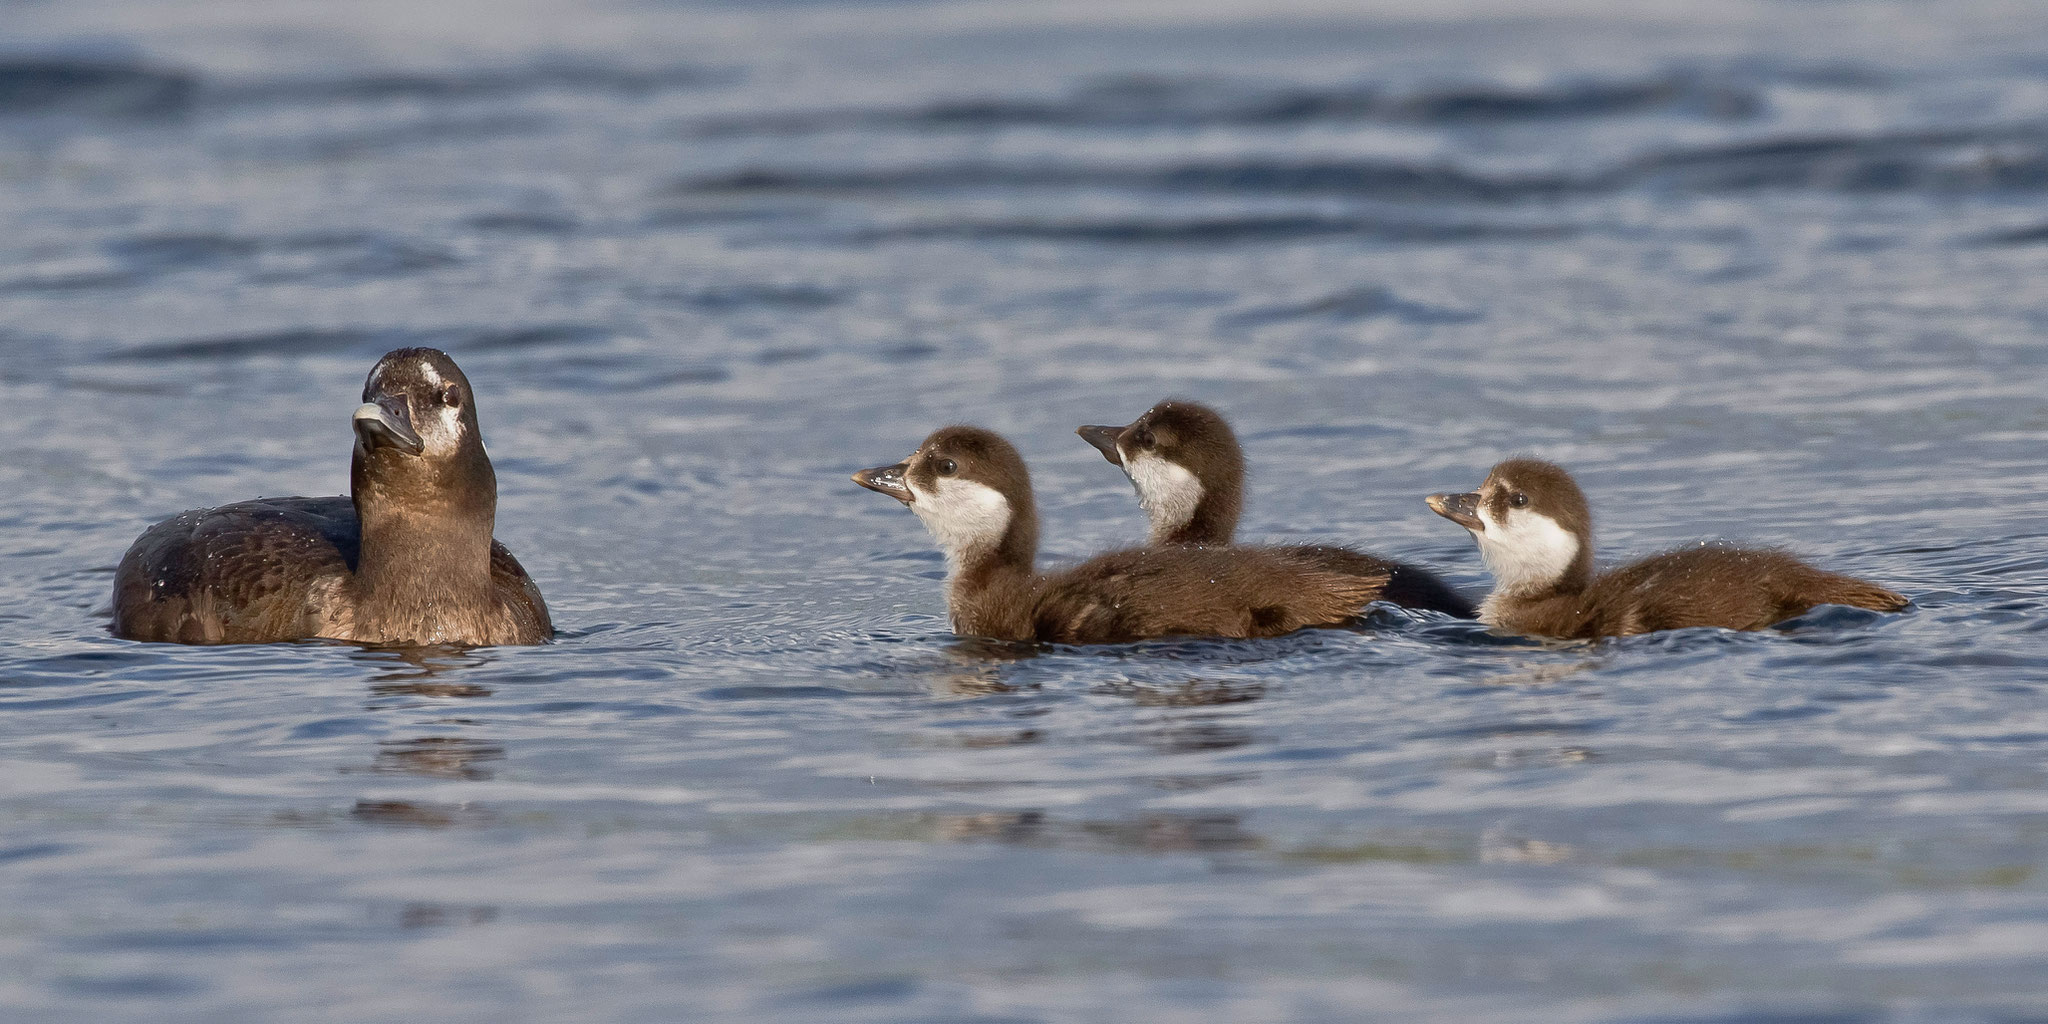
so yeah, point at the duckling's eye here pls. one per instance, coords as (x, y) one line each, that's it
(451, 396)
(1518, 500)
(945, 467)
(1144, 439)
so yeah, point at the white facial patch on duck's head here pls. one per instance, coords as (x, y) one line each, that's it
(1525, 550)
(1167, 490)
(961, 514)
(435, 400)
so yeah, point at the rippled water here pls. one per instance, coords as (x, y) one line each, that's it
(1765, 271)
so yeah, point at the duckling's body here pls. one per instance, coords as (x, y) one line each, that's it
(973, 492)
(1535, 534)
(1188, 469)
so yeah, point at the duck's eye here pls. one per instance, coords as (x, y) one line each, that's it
(451, 396)
(1144, 439)
(945, 467)
(1518, 500)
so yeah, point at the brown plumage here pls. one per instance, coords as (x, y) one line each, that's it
(973, 492)
(1188, 469)
(408, 559)
(1535, 533)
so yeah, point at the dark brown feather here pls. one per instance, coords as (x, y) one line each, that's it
(1710, 585)
(278, 569)
(1178, 590)
(1200, 440)
(1732, 588)
(408, 558)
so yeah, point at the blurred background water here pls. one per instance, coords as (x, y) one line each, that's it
(1771, 271)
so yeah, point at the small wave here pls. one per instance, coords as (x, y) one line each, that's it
(92, 86)
(470, 83)
(745, 296)
(281, 258)
(1221, 229)
(298, 342)
(367, 341)
(1367, 302)
(1390, 180)
(1149, 101)
(1967, 160)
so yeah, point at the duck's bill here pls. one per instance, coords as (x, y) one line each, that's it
(382, 426)
(1104, 440)
(888, 480)
(1462, 509)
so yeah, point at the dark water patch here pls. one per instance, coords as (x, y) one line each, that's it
(867, 990)
(1145, 101)
(1963, 160)
(344, 255)
(272, 344)
(1760, 1016)
(302, 342)
(182, 251)
(747, 296)
(64, 280)
(1960, 161)
(798, 691)
(1362, 303)
(310, 256)
(523, 223)
(438, 131)
(779, 356)
(1389, 180)
(1675, 93)
(93, 87)
(1779, 714)
(130, 986)
(32, 851)
(78, 701)
(542, 75)
(1490, 730)
(1223, 229)
(178, 939)
(688, 375)
(540, 336)
(2034, 234)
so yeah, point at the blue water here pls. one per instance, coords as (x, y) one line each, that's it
(1774, 272)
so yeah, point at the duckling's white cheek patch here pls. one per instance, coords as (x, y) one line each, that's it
(962, 513)
(1167, 491)
(1529, 550)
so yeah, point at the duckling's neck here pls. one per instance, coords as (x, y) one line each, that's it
(1213, 521)
(990, 588)
(1519, 599)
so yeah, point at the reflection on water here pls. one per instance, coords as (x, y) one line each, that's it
(421, 667)
(1152, 833)
(411, 814)
(441, 757)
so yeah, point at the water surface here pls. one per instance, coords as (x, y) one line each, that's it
(1770, 272)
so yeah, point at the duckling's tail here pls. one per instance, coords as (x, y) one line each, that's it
(1412, 587)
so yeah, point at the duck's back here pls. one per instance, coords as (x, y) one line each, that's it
(266, 570)
(1732, 588)
(1199, 591)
